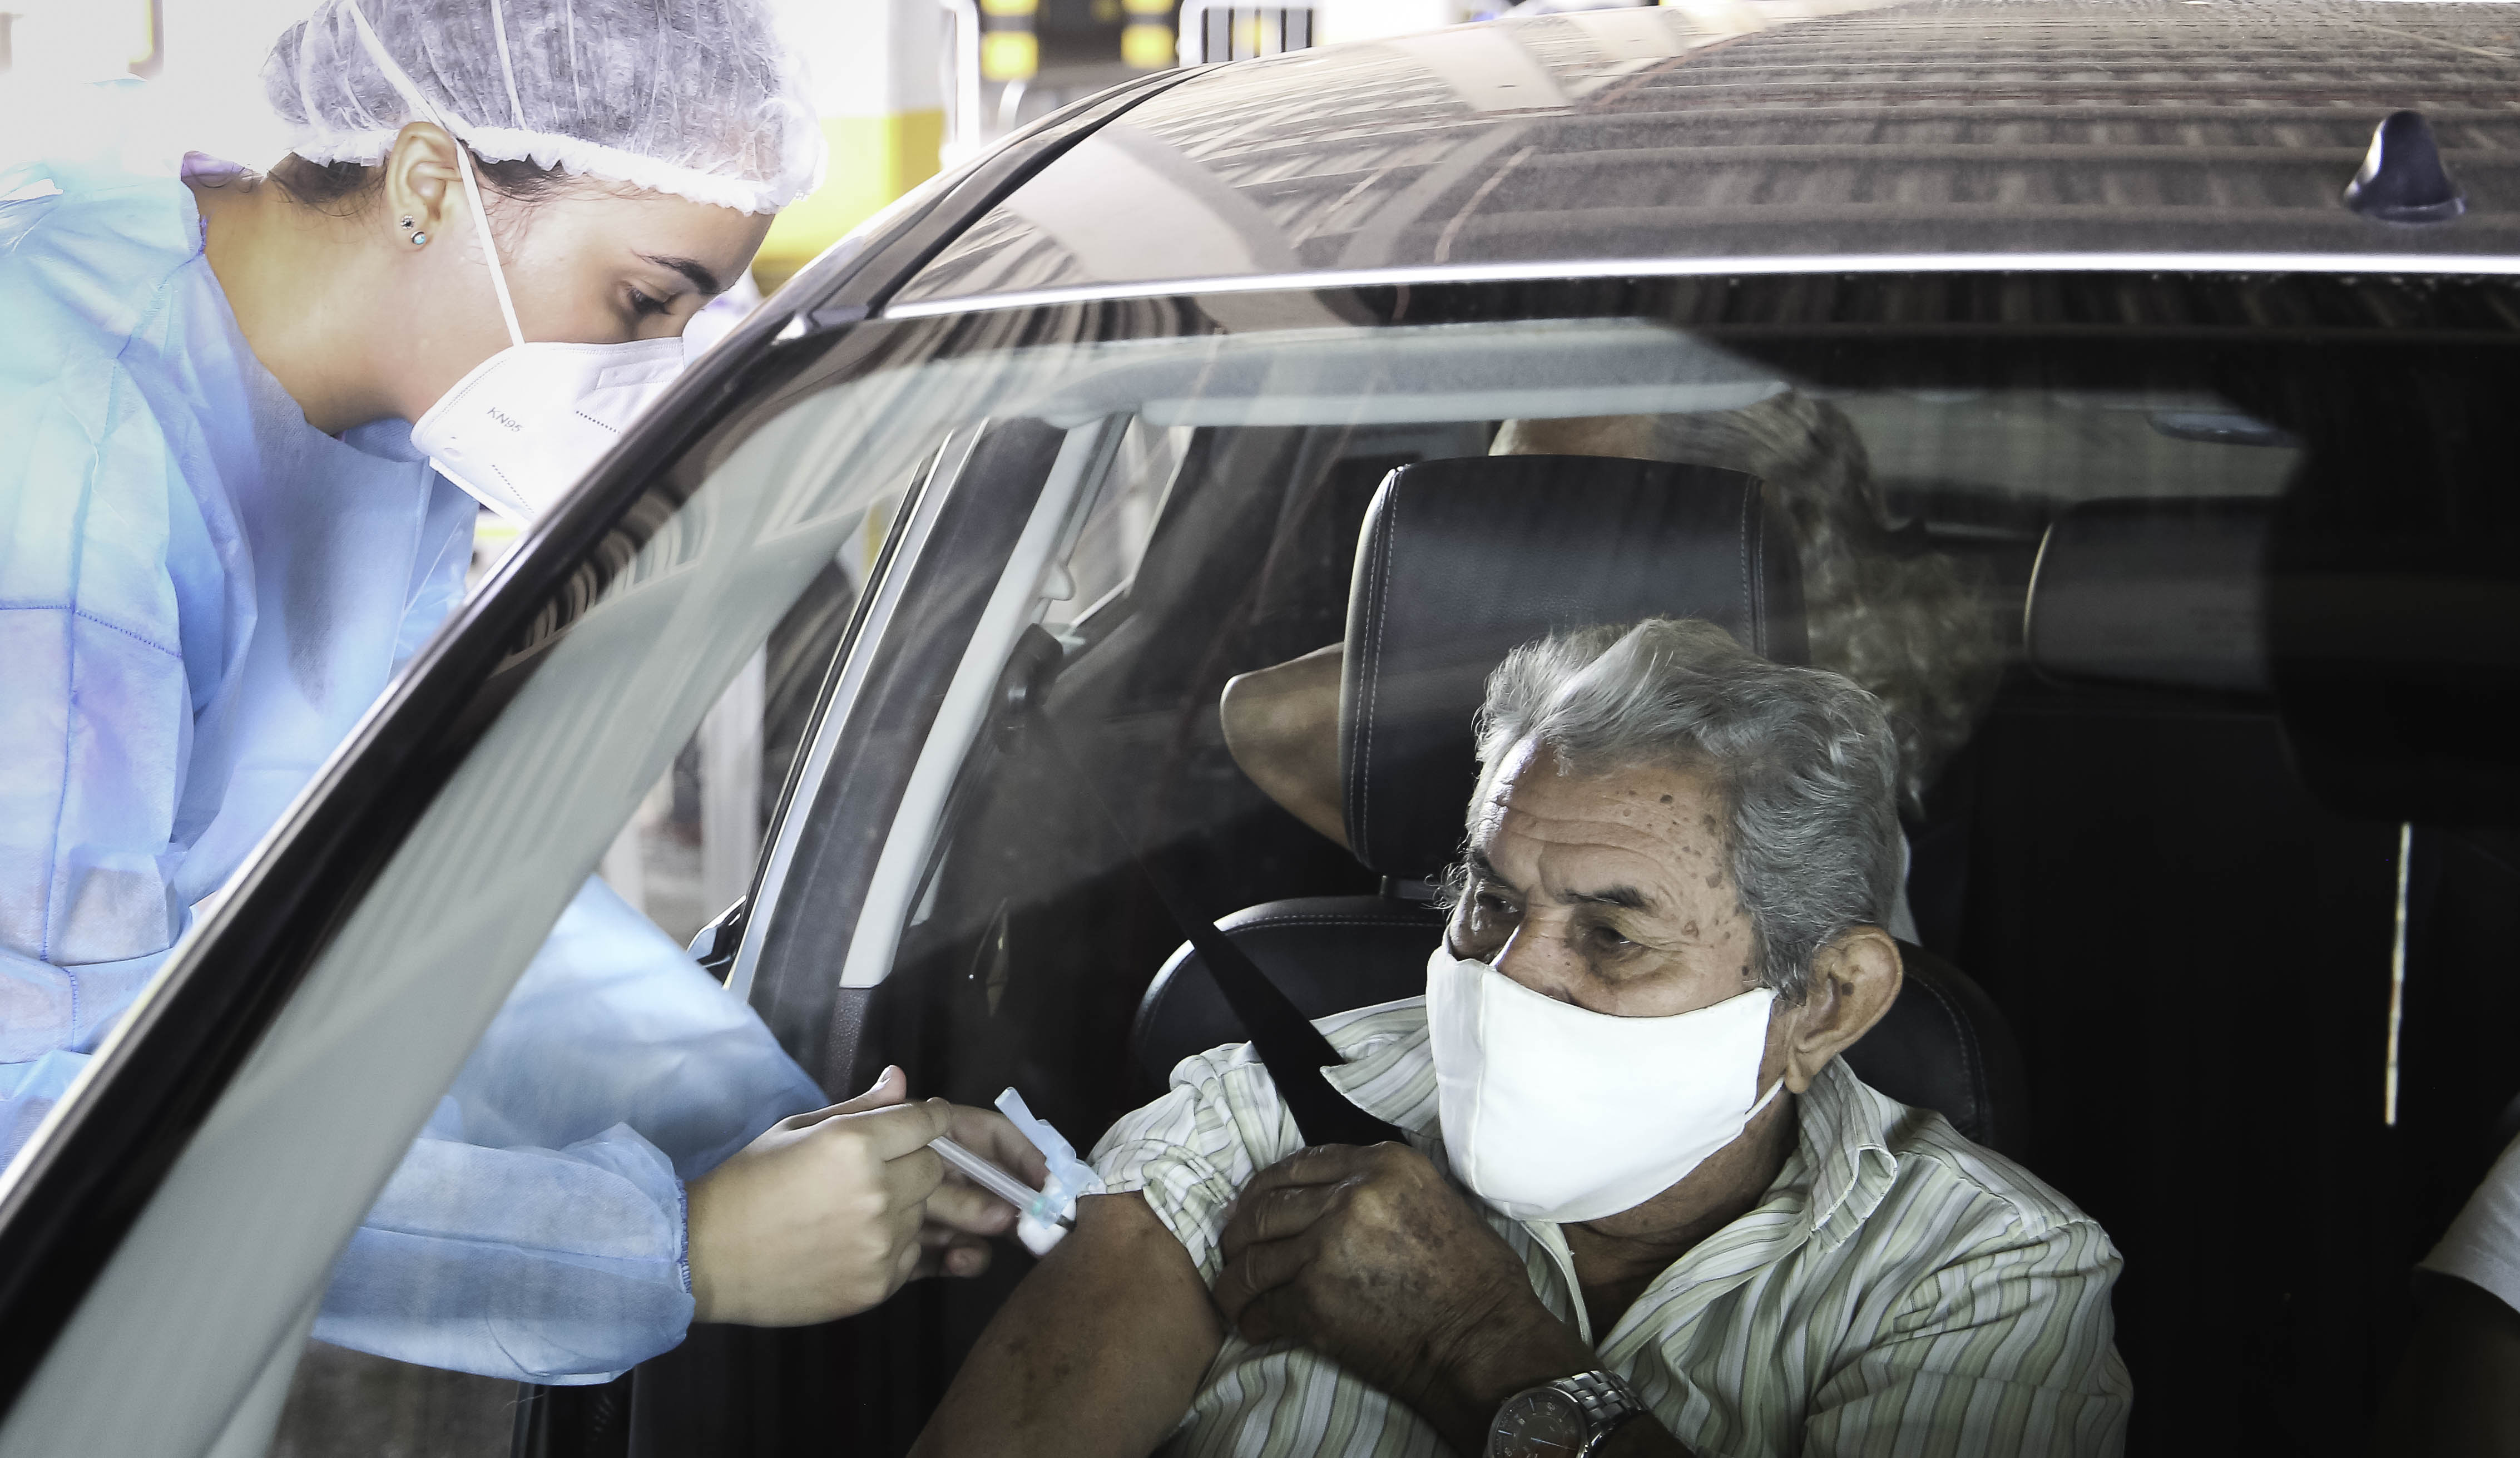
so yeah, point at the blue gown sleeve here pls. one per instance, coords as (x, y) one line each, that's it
(536, 1230)
(119, 616)
(170, 672)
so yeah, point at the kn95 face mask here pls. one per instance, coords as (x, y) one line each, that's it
(530, 420)
(1552, 1112)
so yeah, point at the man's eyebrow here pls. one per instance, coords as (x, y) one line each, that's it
(1485, 870)
(1627, 897)
(690, 268)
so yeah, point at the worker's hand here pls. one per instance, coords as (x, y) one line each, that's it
(821, 1215)
(961, 1215)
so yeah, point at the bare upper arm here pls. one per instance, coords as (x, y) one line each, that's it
(1100, 1349)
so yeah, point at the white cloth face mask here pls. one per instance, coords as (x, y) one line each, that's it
(1553, 1112)
(526, 423)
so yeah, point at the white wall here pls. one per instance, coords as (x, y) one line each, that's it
(215, 55)
(869, 57)
(1365, 20)
(208, 96)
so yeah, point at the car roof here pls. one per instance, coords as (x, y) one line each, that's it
(1776, 136)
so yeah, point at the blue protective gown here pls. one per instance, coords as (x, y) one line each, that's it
(199, 595)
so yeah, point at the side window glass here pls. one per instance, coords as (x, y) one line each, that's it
(1112, 541)
(689, 851)
(342, 1401)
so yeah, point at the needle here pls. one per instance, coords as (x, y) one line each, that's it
(998, 1182)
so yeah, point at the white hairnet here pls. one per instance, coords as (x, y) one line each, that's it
(699, 98)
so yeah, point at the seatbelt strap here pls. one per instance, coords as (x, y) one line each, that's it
(1289, 1045)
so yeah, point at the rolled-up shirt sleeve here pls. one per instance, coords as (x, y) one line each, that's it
(2482, 1246)
(1190, 1151)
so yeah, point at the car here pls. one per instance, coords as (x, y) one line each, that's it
(2134, 382)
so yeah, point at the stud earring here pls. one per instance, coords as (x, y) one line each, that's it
(420, 239)
(406, 222)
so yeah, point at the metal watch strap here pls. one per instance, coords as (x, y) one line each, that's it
(1606, 1400)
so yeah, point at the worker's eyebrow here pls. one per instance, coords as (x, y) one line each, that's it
(690, 268)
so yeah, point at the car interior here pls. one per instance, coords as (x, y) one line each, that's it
(2208, 894)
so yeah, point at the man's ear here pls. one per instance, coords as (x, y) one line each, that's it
(422, 182)
(1854, 980)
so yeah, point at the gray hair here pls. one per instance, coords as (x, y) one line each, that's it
(1802, 759)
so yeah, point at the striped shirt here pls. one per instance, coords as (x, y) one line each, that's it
(1899, 1291)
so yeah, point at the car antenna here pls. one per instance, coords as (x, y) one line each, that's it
(2403, 180)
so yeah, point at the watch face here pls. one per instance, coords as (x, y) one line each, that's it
(1542, 1423)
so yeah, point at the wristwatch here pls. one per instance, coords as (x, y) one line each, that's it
(1569, 1418)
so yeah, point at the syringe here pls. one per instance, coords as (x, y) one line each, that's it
(998, 1182)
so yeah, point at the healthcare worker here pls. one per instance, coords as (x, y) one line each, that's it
(241, 417)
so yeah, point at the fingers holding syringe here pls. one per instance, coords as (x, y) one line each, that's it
(958, 1207)
(994, 1137)
(944, 1250)
(961, 1216)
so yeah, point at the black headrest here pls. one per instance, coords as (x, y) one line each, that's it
(2162, 591)
(1462, 560)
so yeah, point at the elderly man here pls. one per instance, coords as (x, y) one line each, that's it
(1643, 1208)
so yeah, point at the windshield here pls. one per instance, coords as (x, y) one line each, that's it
(2187, 601)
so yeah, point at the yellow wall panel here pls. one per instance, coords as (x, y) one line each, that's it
(873, 161)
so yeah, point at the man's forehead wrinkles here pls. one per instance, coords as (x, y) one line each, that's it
(1536, 821)
(1611, 833)
(1631, 877)
(1643, 843)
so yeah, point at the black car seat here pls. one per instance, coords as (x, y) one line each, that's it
(1458, 562)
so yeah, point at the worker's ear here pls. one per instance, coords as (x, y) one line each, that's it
(422, 183)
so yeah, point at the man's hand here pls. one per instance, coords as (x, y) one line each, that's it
(828, 1212)
(1370, 1257)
